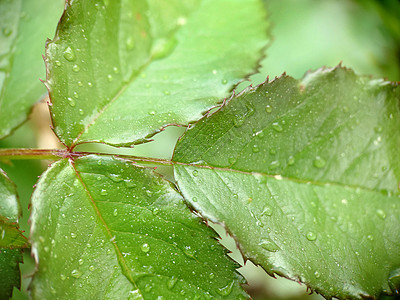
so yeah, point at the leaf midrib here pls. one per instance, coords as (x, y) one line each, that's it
(121, 259)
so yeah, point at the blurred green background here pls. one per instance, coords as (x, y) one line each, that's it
(306, 35)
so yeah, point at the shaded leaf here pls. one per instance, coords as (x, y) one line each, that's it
(25, 25)
(119, 71)
(10, 238)
(305, 174)
(102, 228)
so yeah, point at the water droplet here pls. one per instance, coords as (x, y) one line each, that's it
(319, 162)
(71, 102)
(163, 47)
(311, 236)
(195, 173)
(62, 276)
(130, 43)
(277, 127)
(115, 213)
(76, 273)
(81, 112)
(110, 77)
(211, 275)
(317, 275)
(116, 71)
(90, 84)
(145, 247)
(148, 287)
(189, 251)
(76, 68)
(80, 261)
(73, 235)
(269, 245)
(274, 164)
(76, 95)
(256, 149)
(194, 199)
(115, 177)
(224, 81)
(69, 54)
(171, 282)
(91, 268)
(268, 109)
(226, 290)
(166, 93)
(129, 183)
(232, 160)
(7, 31)
(103, 192)
(267, 211)
(238, 122)
(370, 237)
(291, 160)
(58, 63)
(381, 214)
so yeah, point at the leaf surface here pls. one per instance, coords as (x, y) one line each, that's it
(119, 71)
(104, 229)
(306, 34)
(25, 25)
(10, 238)
(305, 175)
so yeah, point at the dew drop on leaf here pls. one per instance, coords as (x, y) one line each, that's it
(311, 236)
(115, 213)
(277, 127)
(62, 277)
(145, 247)
(319, 162)
(80, 261)
(381, 214)
(103, 192)
(71, 102)
(171, 282)
(110, 78)
(267, 211)
(268, 108)
(130, 43)
(224, 81)
(274, 164)
(269, 245)
(91, 268)
(291, 160)
(76, 273)
(69, 54)
(76, 68)
(226, 290)
(195, 173)
(7, 32)
(256, 149)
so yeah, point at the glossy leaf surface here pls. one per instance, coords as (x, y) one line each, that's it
(10, 238)
(305, 175)
(119, 71)
(25, 26)
(104, 229)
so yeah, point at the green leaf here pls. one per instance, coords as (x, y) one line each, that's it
(120, 71)
(25, 25)
(104, 229)
(10, 238)
(309, 34)
(305, 175)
